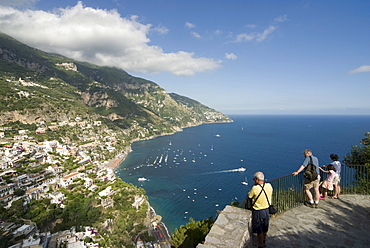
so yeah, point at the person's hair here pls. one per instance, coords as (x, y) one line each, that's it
(331, 167)
(259, 176)
(334, 157)
(307, 151)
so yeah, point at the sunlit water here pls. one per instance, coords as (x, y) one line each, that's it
(196, 172)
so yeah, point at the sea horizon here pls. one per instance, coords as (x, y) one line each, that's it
(196, 172)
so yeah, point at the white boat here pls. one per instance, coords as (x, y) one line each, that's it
(241, 169)
(217, 135)
(141, 179)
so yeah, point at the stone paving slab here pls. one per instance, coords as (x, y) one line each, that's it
(338, 223)
(231, 229)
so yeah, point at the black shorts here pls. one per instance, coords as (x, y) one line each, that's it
(260, 221)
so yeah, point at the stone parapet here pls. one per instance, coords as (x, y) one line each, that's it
(232, 229)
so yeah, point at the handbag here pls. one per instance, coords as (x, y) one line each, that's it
(249, 204)
(272, 209)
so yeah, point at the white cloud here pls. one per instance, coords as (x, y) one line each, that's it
(189, 25)
(218, 32)
(244, 37)
(363, 68)
(231, 56)
(161, 30)
(18, 3)
(282, 18)
(260, 36)
(101, 37)
(255, 35)
(196, 35)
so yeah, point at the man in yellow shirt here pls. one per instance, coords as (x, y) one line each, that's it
(260, 212)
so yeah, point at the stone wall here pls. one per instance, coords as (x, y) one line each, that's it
(232, 229)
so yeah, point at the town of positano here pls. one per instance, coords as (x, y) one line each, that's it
(64, 127)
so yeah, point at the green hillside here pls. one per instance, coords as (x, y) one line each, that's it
(56, 87)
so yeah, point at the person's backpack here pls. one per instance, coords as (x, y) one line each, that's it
(310, 173)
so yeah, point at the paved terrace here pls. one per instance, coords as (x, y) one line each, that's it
(338, 223)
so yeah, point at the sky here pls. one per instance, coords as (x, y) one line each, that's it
(236, 56)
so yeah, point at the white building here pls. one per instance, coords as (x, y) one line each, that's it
(67, 180)
(106, 192)
(56, 197)
(23, 230)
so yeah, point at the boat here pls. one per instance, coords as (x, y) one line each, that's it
(142, 179)
(240, 169)
(217, 135)
(245, 182)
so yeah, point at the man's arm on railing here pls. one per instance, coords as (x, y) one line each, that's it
(299, 170)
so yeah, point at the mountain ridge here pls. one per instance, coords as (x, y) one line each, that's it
(108, 92)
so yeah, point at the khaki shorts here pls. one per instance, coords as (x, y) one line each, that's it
(313, 184)
(336, 180)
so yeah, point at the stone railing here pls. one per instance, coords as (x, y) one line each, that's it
(232, 229)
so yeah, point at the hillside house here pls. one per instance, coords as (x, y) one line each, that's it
(139, 200)
(37, 177)
(33, 194)
(23, 230)
(67, 180)
(62, 150)
(20, 180)
(6, 199)
(108, 191)
(107, 202)
(53, 128)
(97, 123)
(7, 189)
(5, 163)
(55, 169)
(23, 132)
(32, 242)
(56, 197)
(88, 182)
(40, 130)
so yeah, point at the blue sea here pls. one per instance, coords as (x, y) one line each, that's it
(194, 173)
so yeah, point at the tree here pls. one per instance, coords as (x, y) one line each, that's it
(193, 233)
(19, 192)
(360, 154)
(359, 160)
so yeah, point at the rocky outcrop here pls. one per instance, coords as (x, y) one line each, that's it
(31, 116)
(98, 99)
(13, 58)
